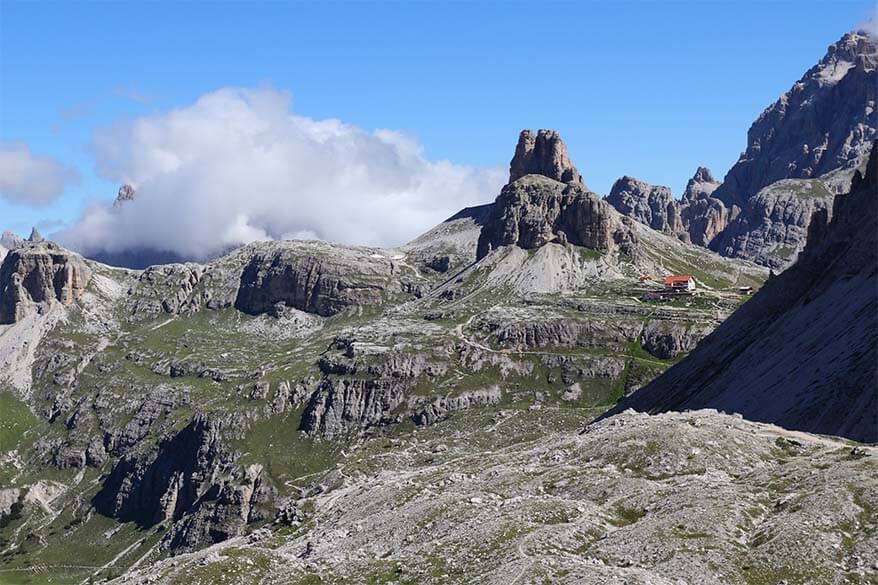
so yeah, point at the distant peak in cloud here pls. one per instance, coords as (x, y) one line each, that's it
(29, 178)
(238, 166)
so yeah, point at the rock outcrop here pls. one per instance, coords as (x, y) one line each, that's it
(126, 193)
(39, 274)
(179, 289)
(442, 406)
(772, 228)
(189, 481)
(698, 217)
(702, 215)
(543, 153)
(802, 352)
(342, 405)
(316, 283)
(701, 185)
(35, 236)
(652, 205)
(535, 210)
(666, 339)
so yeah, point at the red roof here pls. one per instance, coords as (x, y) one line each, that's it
(678, 279)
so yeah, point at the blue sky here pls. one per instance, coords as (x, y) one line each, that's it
(651, 89)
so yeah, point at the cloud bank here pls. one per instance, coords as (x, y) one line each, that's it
(31, 179)
(238, 166)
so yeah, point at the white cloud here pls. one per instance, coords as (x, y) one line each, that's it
(238, 166)
(29, 178)
(870, 25)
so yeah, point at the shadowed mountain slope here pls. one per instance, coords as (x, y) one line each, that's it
(803, 352)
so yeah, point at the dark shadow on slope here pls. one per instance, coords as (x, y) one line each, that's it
(803, 352)
(479, 214)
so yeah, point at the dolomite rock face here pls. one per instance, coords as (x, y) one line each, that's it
(665, 339)
(823, 127)
(773, 360)
(546, 200)
(701, 185)
(826, 121)
(543, 153)
(801, 151)
(320, 284)
(702, 215)
(704, 219)
(343, 405)
(442, 406)
(535, 210)
(698, 217)
(772, 228)
(189, 476)
(652, 205)
(39, 274)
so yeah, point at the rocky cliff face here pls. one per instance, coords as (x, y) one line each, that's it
(702, 215)
(189, 481)
(824, 122)
(652, 205)
(535, 210)
(343, 405)
(543, 153)
(801, 151)
(772, 228)
(314, 283)
(802, 352)
(822, 127)
(701, 185)
(697, 218)
(39, 274)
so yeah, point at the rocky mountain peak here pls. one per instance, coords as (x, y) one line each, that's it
(854, 49)
(10, 240)
(543, 153)
(536, 210)
(35, 236)
(701, 185)
(652, 205)
(703, 175)
(826, 121)
(126, 193)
